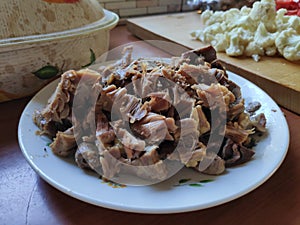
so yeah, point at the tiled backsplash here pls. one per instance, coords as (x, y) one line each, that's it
(129, 8)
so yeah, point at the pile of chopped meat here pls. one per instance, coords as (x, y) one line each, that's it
(142, 113)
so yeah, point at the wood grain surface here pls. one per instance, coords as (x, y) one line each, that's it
(277, 76)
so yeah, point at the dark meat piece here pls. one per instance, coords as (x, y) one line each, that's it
(223, 79)
(236, 133)
(182, 102)
(149, 158)
(58, 106)
(259, 122)
(49, 128)
(218, 65)
(84, 105)
(104, 132)
(171, 125)
(215, 96)
(130, 141)
(208, 54)
(187, 139)
(128, 107)
(216, 167)
(252, 107)
(109, 164)
(244, 121)
(87, 156)
(155, 171)
(149, 165)
(159, 101)
(122, 105)
(64, 143)
(235, 154)
(211, 164)
(144, 85)
(235, 109)
(126, 59)
(200, 118)
(197, 155)
(176, 62)
(153, 129)
(52, 118)
(107, 96)
(197, 74)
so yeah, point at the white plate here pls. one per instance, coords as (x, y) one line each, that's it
(164, 197)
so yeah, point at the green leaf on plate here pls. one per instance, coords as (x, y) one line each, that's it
(46, 72)
(192, 183)
(205, 181)
(92, 58)
(182, 181)
(195, 185)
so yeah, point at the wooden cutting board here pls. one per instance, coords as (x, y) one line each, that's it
(277, 76)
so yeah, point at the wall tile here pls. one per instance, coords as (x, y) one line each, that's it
(157, 9)
(132, 12)
(120, 5)
(170, 2)
(127, 8)
(146, 3)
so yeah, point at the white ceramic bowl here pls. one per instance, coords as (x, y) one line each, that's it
(30, 61)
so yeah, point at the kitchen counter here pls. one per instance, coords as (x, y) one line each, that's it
(27, 199)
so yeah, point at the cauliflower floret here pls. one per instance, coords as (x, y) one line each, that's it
(265, 11)
(244, 22)
(245, 36)
(206, 15)
(221, 42)
(288, 44)
(271, 50)
(214, 28)
(239, 38)
(292, 53)
(254, 49)
(294, 22)
(256, 58)
(282, 19)
(236, 18)
(209, 17)
(263, 43)
(197, 34)
(231, 15)
(264, 38)
(235, 48)
(209, 33)
(245, 11)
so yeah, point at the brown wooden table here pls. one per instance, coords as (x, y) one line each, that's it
(26, 199)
